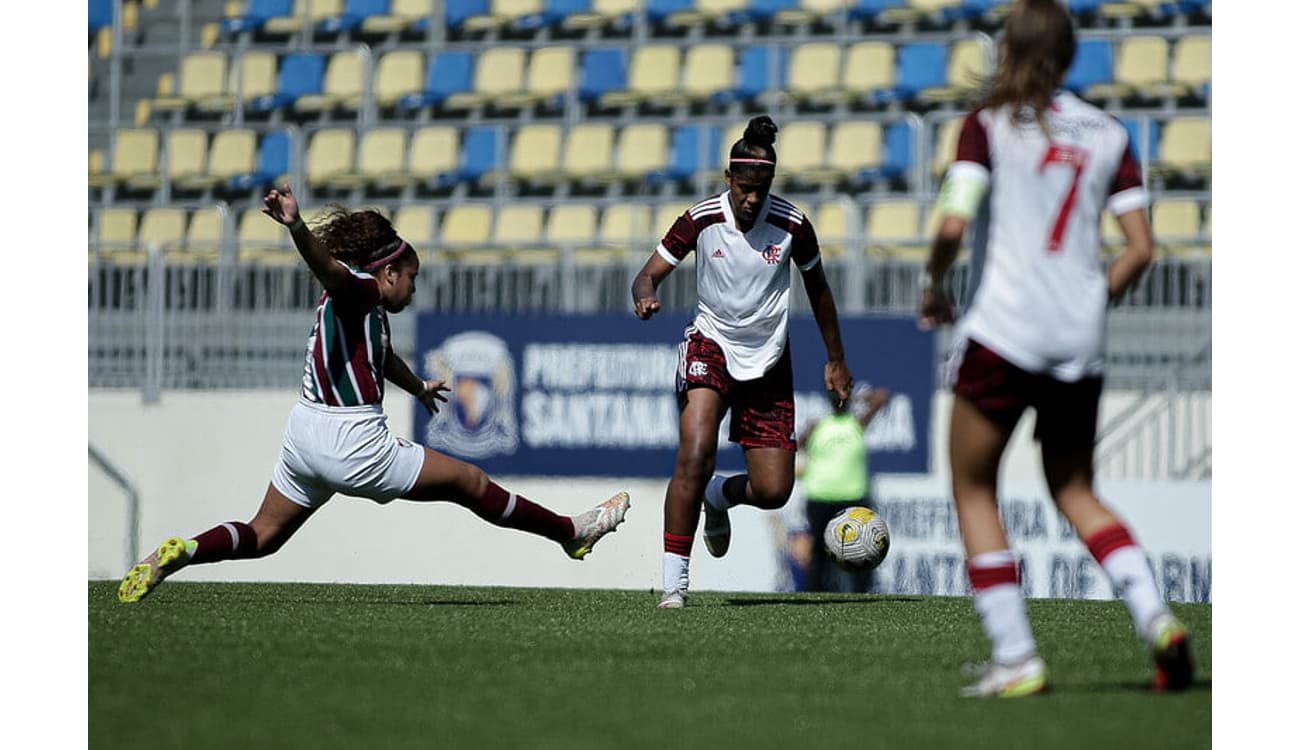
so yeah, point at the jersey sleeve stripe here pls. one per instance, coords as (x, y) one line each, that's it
(663, 253)
(1128, 200)
(811, 264)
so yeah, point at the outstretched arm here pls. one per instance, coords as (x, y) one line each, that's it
(427, 392)
(645, 300)
(838, 378)
(282, 206)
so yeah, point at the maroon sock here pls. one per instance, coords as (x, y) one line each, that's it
(503, 508)
(678, 545)
(733, 488)
(229, 541)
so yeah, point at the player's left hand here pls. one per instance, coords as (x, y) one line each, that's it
(432, 394)
(839, 381)
(936, 310)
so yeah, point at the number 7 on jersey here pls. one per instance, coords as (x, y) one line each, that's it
(1070, 157)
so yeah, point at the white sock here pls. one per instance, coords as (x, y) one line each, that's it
(677, 572)
(1001, 608)
(1132, 578)
(713, 494)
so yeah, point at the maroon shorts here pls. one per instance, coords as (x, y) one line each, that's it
(1067, 412)
(762, 410)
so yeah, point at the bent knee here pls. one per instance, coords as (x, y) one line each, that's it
(771, 494)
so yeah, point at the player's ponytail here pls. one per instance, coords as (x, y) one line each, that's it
(1037, 48)
(755, 148)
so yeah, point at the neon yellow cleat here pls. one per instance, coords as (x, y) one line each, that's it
(1172, 654)
(1029, 677)
(149, 572)
(591, 526)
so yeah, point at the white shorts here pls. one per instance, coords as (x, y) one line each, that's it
(329, 449)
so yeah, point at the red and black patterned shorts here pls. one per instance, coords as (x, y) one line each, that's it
(1067, 412)
(762, 410)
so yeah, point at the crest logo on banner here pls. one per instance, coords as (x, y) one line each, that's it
(480, 421)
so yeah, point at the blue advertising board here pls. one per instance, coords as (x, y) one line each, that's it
(592, 395)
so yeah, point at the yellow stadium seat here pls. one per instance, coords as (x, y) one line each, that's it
(402, 14)
(261, 240)
(518, 227)
(467, 231)
(930, 7)
(801, 151)
(305, 13)
(642, 149)
(626, 225)
(164, 227)
(1176, 219)
(603, 13)
(945, 148)
(234, 152)
(503, 13)
(1132, 8)
(1141, 66)
(134, 162)
(187, 159)
(709, 69)
(1191, 65)
(653, 73)
(202, 78)
(868, 66)
(253, 76)
(588, 151)
(535, 153)
(893, 227)
(203, 239)
(833, 227)
(330, 153)
(381, 160)
(703, 12)
(498, 74)
(814, 71)
(855, 146)
(1184, 147)
(968, 64)
(342, 87)
(434, 151)
(117, 230)
(550, 75)
(415, 223)
(809, 11)
(571, 225)
(397, 74)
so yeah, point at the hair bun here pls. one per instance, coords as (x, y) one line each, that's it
(761, 131)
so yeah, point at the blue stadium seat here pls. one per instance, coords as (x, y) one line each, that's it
(765, 10)
(554, 12)
(451, 72)
(461, 10)
(920, 66)
(478, 154)
(272, 161)
(658, 11)
(256, 14)
(898, 151)
(756, 67)
(101, 14)
(1134, 128)
(870, 9)
(977, 8)
(1093, 64)
(603, 70)
(354, 12)
(300, 74)
(1085, 7)
(686, 159)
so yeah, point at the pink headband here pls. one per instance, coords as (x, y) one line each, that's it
(753, 161)
(401, 248)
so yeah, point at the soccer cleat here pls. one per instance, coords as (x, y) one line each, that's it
(1029, 677)
(589, 527)
(673, 600)
(149, 572)
(1172, 653)
(717, 525)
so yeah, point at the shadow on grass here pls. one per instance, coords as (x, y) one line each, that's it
(818, 600)
(1197, 686)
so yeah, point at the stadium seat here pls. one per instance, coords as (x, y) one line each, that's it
(944, 11)
(642, 152)
(1143, 150)
(627, 225)
(893, 227)
(331, 153)
(353, 14)
(588, 152)
(307, 13)
(945, 146)
(415, 223)
(695, 149)
(163, 226)
(398, 75)
(597, 14)
(466, 226)
(300, 74)
(1141, 67)
(709, 73)
(1092, 66)
(272, 164)
(989, 10)
(434, 154)
(654, 75)
(478, 158)
(134, 161)
(550, 76)
(968, 64)
(117, 236)
(762, 68)
(603, 71)
(856, 150)
(765, 11)
(1190, 73)
(252, 77)
(801, 150)
(1184, 147)
(202, 80)
(882, 12)
(450, 73)
(571, 225)
(868, 70)
(1176, 220)
(814, 71)
(203, 238)
(255, 15)
(261, 240)
(535, 153)
(381, 159)
(100, 15)
(520, 14)
(498, 72)
(898, 150)
(832, 225)
(233, 153)
(187, 159)
(455, 14)
(342, 87)
(518, 231)
(402, 15)
(921, 66)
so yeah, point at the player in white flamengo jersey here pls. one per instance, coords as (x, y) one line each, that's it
(337, 438)
(735, 355)
(1035, 167)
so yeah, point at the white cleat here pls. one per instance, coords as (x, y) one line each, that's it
(1029, 677)
(717, 525)
(591, 526)
(673, 600)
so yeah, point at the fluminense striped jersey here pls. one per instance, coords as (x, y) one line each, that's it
(348, 346)
(743, 278)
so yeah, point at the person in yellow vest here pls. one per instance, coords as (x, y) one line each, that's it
(835, 476)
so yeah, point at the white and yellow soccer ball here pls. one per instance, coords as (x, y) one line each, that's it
(857, 539)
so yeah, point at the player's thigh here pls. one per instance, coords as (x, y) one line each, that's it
(989, 396)
(771, 475)
(701, 413)
(278, 518)
(445, 478)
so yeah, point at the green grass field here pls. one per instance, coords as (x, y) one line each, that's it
(212, 665)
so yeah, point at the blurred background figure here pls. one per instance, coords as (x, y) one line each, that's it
(835, 475)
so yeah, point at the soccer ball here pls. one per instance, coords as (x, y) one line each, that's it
(857, 539)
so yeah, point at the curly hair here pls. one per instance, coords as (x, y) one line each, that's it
(356, 238)
(757, 143)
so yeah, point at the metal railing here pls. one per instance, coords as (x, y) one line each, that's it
(120, 478)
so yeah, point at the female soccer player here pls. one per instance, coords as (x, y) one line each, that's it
(1035, 166)
(337, 438)
(735, 354)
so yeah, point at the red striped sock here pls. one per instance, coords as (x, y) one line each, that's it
(503, 508)
(984, 575)
(995, 579)
(228, 541)
(1105, 541)
(678, 545)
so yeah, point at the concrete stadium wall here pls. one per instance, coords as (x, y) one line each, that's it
(200, 458)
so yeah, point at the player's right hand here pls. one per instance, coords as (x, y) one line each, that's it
(936, 310)
(647, 306)
(281, 205)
